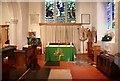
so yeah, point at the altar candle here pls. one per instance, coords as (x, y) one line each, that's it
(70, 43)
(48, 43)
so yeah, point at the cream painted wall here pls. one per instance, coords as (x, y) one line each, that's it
(36, 8)
(5, 13)
(19, 12)
(82, 8)
(87, 8)
(25, 12)
(0, 13)
(118, 26)
(101, 20)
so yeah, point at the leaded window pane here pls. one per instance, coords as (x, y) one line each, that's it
(49, 6)
(60, 9)
(113, 14)
(109, 14)
(71, 11)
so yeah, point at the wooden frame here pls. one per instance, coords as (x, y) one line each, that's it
(85, 18)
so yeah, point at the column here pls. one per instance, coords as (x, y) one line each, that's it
(13, 32)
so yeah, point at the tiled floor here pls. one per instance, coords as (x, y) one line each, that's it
(78, 72)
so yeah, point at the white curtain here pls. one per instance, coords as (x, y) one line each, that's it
(59, 34)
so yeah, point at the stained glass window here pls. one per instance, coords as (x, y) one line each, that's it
(60, 8)
(71, 11)
(62, 12)
(113, 14)
(49, 6)
(109, 14)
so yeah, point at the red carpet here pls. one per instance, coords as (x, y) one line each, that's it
(77, 72)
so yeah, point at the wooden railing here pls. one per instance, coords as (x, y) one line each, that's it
(4, 25)
(60, 24)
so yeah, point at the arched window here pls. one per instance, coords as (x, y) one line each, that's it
(60, 11)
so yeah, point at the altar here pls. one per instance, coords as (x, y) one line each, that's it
(59, 53)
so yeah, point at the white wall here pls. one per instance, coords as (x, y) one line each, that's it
(112, 46)
(5, 11)
(0, 13)
(101, 20)
(118, 20)
(17, 11)
(87, 8)
(36, 8)
(25, 13)
(82, 8)
(20, 12)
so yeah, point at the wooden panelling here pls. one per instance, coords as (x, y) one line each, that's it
(3, 34)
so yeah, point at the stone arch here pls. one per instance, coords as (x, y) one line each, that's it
(16, 13)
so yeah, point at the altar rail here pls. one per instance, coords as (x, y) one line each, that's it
(60, 24)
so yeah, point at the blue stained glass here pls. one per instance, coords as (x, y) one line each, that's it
(113, 11)
(109, 14)
(60, 19)
(113, 14)
(60, 8)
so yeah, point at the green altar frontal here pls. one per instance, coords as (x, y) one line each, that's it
(59, 53)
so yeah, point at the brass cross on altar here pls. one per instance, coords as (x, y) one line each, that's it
(58, 53)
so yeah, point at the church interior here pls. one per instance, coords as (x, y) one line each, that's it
(76, 40)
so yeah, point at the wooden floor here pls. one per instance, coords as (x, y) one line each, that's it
(78, 72)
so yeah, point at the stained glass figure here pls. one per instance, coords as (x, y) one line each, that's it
(49, 9)
(60, 14)
(71, 11)
(60, 8)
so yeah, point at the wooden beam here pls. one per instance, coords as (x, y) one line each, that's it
(4, 26)
(60, 24)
